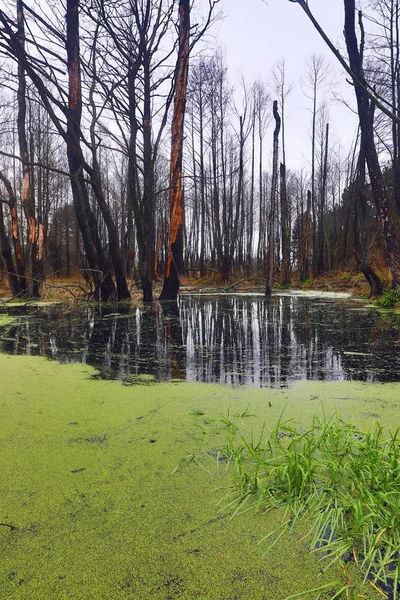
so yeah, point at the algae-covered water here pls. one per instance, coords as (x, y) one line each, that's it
(113, 491)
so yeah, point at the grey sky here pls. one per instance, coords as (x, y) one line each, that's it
(256, 35)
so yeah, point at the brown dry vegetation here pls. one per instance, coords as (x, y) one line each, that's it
(335, 281)
(76, 288)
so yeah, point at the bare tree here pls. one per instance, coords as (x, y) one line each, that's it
(272, 211)
(366, 116)
(65, 112)
(28, 202)
(175, 242)
(283, 89)
(199, 110)
(367, 99)
(261, 99)
(317, 76)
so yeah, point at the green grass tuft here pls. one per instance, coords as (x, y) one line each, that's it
(342, 484)
(389, 299)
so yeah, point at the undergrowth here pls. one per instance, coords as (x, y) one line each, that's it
(389, 299)
(341, 484)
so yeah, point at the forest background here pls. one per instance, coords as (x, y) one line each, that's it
(91, 93)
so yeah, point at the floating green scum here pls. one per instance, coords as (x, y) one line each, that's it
(102, 494)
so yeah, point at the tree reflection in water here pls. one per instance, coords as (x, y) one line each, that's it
(226, 339)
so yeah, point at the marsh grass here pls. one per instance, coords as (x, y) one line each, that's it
(341, 484)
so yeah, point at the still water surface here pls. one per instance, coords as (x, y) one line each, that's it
(225, 339)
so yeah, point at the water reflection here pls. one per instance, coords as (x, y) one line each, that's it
(226, 339)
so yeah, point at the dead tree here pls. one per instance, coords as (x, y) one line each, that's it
(27, 197)
(367, 98)
(272, 211)
(105, 288)
(175, 243)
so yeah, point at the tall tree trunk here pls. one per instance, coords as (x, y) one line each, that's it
(305, 272)
(144, 233)
(20, 267)
(250, 213)
(237, 232)
(366, 268)
(99, 269)
(175, 251)
(285, 226)
(261, 219)
(97, 186)
(27, 194)
(113, 239)
(313, 198)
(67, 243)
(321, 229)
(394, 47)
(274, 187)
(202, 189)
(6, 253)
(147, 235)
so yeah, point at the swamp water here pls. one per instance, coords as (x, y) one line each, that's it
(113, 486)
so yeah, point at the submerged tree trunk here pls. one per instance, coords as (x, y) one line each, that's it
(175, 244)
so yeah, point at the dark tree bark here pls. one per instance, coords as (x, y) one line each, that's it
(366, 268)
(285, 226)
(386, 214)
(16, 243)
(139, 34)
(6, 253)
(99, 268)
(234, 233)
(250, 222)
(262, 210)
(202, 188)
(147, 235)
(366, 98)
(27, 195)
(175, 244)
(96, 182)
(142, 208)
(104, 285)
(305, 263)
(272, 211)
(321, 225)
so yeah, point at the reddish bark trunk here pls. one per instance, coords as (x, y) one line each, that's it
(175, 244)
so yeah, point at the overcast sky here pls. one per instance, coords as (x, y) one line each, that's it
(256, 34)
